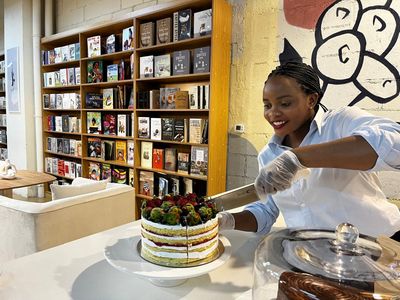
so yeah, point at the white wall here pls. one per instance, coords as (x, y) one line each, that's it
(20, 125)
(1, 26)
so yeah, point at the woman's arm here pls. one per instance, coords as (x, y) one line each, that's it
(245, 221)
(352, 152)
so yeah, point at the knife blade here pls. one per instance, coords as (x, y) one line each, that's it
(235, 197)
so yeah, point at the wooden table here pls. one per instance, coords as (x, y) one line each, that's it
(23, 178)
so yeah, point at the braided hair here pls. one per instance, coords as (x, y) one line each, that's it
(305, 76)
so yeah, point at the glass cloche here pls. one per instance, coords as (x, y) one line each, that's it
(323, 264)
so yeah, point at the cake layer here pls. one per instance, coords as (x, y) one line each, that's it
(178, 230)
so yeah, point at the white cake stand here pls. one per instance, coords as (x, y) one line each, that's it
(122, 253)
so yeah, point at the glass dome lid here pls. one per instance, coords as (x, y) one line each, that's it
(342, 256)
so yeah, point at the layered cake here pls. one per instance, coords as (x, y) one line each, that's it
(179, 230)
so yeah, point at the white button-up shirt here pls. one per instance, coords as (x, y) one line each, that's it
(331, 196)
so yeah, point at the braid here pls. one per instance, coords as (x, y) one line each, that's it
(305, 76)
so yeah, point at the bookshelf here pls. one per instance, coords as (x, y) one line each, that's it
(216, 114)
(3, 111)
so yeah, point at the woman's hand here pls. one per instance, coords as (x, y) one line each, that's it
(278, 175)
(226, 221)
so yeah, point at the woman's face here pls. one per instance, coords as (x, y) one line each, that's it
(286, 107)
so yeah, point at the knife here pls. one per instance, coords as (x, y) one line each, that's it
(235, 197)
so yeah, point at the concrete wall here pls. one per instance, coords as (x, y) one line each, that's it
(259, 30)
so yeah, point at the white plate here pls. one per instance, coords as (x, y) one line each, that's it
(3, 176)
(122, 254)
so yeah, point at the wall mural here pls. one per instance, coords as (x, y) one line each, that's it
(355, 45)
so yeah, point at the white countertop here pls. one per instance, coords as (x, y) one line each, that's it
(79, 270)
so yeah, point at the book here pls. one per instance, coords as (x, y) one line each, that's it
(120, 150)
(201, 60)
(65, 53)
(179, 130)
(119, 175)
(78, 150)
(94, 147)
(199, 161)
(163, 31)
(131, 152)
(93, 122)
(94, 71)
(112, 72)
(193, 97)
(128, 38)
(123, 122)
(202, 23)
(94, 170)
(77, 51)
(106, 172)
(108, 98)
(167, 129)
(46, 101)
(183, 162)
(181, 99)
(146, 66)
(167, 98)
(184, 24)
(77, 75)
(158, 159)
(146, 150)
(57, 55)
(181, 62)
(155, 128)
(144, 127)
(71, 76)
(94, 100)
(71, 49)
(78, 170)
(143, 100)
(61, 77)
(112, 44)
(131, 177)
(65, 123)
(170, 159)
(73, 127)
(107, 150)
(66, 146)
(146, 183)
(146, 34)
(66, 101)
(58, 123)
(195, 130)
(175, 26)
(94, 46)
(109, 124)
(154, 99)
(162, 65)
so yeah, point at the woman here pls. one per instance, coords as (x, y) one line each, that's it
(343, 149)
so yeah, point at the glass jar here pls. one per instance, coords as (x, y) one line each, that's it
(325, 264)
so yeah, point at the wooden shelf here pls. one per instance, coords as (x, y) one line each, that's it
(55, 110)
(63, 154)
(129, 110)
(144, 196)
(175, 46)
(64, 87)
(173, 110)
(60, 176)
(61, 132)
(108, 84)
(108, 136)
(111, 162)
(162, 171)
(177, 78)
(171, 142)
(61, 65)
(110, 56)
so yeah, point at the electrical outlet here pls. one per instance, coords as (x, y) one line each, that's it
(239, 128)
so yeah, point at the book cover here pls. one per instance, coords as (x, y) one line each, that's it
(78, 170)
(202, 23)
(112, 72)
(143, 101)
(65, 123)
(175, 27)
(146, 183)
(60, 77)
(199, 161)
(72, 147)
(181, 62)
(94, 100)
(120, 150)
(128, 38)
(94, 71)
(71, 49)
(52, 56)
(108, 98)
(201, 60)
(66, 101)
(65, 53)
(193, 97)
(52, 101)
(94, 147)
(146, 64)
(179, 130)
(163, 31)
(195, 130)
(57, 55)
(146, 150)
(78, 148)
(111, 43)
(71, 76)
(94, 46)
(66, 146)
(106, 172)
(94, 122)
(46, 101)
(60, 167)
(155, 128)
(77, 51)
(94, 170)
(181, 99)
(154, 99)
(170, 159)
(131, 152)
(158, 159)
(109, 127)
(77, 75)
(146, 34)
(58, 123)
(107, 150)
(167, 129)
(162, 65)
(119, 175)
(144, 127)
(122, 125)
(73, 126)
(132, 177)
(184, 24)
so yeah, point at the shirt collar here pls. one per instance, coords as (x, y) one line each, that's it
(317, 122)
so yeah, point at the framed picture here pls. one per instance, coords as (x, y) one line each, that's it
(12, 92)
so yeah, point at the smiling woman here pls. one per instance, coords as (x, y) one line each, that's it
(343, 150)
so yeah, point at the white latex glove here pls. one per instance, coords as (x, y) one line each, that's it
(279, 174)
(226, 221)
